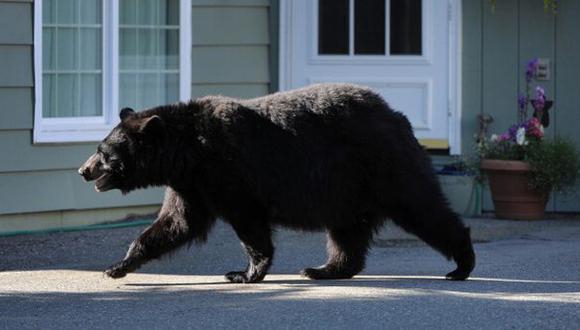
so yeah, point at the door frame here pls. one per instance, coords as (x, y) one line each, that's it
(454, 68)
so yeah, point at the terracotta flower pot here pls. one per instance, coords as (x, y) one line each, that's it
(510, 191)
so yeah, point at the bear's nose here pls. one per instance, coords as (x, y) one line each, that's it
(84, 172)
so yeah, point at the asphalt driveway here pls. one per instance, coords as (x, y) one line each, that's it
(528, 276)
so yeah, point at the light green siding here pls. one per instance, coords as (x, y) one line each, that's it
(471, 73)
(230, 3)
(62, 190)
(496, 48)
(15, 23)
(230, 26)
(18, 154)
(230, 64)
(16, 62)
(15, 108)
(566, 115)
(230, 56)
(231, 48)
(243, 90)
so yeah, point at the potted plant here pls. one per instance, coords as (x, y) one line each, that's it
(522, 165)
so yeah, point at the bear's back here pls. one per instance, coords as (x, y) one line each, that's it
(321, 99)
(323, 103)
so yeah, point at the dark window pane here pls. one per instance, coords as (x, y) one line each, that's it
(369, 27)
(405, 33)
(333, 27)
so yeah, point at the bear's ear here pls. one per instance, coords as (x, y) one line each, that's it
(125, 112)
(152, 125)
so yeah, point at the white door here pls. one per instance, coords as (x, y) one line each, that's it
(400, 48)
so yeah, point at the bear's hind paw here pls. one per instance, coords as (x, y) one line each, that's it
(325, 273)
(457, 275)
(242, 277)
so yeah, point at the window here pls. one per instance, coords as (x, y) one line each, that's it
(370, 27)
(149, 53)
(93, 57)
(72, 66)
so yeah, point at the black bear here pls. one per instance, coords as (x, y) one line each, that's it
(331, 156)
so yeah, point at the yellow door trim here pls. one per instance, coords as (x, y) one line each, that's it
(434, 143)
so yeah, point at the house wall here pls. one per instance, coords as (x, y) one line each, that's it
(230, 56)
(231, 50)
(234, 53)
(496, 48)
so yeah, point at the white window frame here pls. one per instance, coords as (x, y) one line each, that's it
(90, 129)
(367, 59)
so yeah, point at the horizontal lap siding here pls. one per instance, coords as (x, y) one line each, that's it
(16, 106)
(566, 115)
(16, 23)
(242, 90)
(471, 72)
(19, 154)
(230, 3)
(38, 178)
(16, 65)
(16, 78)
(41, 191)
(231, 53)
(230, 56)
(496, 48)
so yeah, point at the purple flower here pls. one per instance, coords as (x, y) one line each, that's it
(540, 101)
(540, 92)
(512, 132)
(531, 69)
(522, 102)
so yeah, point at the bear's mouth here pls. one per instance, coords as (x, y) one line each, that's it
(103, 183)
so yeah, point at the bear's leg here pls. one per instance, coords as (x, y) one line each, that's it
(445, 232)
(178, 222)
(257, 241)
(347, 250)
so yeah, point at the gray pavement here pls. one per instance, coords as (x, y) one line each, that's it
(527, 277)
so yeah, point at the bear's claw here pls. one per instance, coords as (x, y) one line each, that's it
(457, 275)
(120, 269)
(244, 277)
(324, 273)
(237, 277)
(115, 273)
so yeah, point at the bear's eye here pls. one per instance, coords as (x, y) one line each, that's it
(104, 156)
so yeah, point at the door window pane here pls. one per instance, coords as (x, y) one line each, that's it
(148, 53)
(369, 27)
(72, 58)
(405, 27)
(333, 27)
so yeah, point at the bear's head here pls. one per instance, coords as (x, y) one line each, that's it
(125, 153)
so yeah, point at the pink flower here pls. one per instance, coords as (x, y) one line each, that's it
(534, 128)
(504, 137)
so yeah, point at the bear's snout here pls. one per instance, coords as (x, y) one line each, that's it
(90, 169)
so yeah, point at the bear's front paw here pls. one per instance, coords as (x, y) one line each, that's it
(237, 277)
(118, 270)
(457, 275)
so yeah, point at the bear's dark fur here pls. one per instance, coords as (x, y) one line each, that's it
(329, 156)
